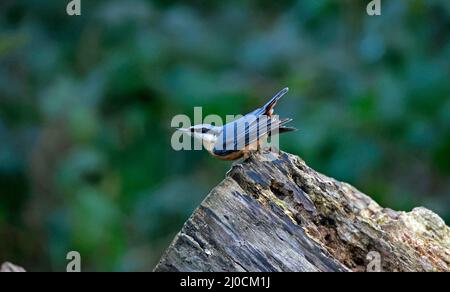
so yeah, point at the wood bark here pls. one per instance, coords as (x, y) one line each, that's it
(274, 213)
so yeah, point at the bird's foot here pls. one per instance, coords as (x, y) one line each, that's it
(271, 149)
(251, 154)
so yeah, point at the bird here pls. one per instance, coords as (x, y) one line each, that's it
(244, 135)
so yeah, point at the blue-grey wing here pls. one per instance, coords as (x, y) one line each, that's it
(245, 131)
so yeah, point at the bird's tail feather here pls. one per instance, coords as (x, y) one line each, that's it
(286, 129)
(283, 129)
(268, 107)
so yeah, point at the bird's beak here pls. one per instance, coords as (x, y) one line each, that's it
(184, 130)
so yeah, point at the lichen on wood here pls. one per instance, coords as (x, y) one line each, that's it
(274, 213)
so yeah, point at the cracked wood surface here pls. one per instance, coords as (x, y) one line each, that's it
(274, 213)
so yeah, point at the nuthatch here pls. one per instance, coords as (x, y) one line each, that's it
(238, 138)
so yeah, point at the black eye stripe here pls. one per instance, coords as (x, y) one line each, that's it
(200, 130)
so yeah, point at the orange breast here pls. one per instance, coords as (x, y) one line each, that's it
(232, 156)
(238, 154)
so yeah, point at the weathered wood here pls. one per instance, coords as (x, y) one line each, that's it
(8, 267)
(274, 213)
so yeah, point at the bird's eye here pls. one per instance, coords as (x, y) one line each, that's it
(204, 130)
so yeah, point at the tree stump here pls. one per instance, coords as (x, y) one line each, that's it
(274, 213)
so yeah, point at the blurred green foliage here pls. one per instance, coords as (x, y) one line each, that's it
(86, 104)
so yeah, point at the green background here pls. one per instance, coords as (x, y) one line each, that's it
(86, 104)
